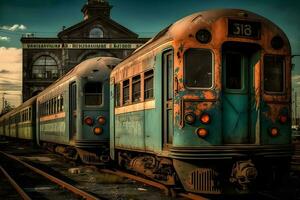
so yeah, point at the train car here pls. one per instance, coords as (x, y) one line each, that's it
(206, 104)
(73, 113)
(20, 122)
(4, 124)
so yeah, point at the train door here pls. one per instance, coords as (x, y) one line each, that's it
(167, 77)
(239, 113)
(72, 110)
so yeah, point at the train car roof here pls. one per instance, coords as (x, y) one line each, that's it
(23, 105)
(99, 66)
(177, 30)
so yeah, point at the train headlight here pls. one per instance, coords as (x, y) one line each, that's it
(88, 121)
(101, 120)
(98, 130)
(202, 132)
(283, 119)
(274, 132)
(205, 118)
(203, 36)
(277, 42)
(190, 118)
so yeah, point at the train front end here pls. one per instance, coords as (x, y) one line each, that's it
(231, 107)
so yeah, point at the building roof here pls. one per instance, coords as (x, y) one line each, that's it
(100, 18)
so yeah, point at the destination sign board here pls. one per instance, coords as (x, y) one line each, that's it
(246, 29)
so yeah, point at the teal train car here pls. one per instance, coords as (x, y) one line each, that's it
(73, 113)
(20, 122)
(71, 116)
(206, 104)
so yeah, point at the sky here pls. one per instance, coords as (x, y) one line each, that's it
(45, 18)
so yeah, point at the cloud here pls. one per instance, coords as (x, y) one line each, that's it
(10, 55)
(4, 38)
(4, 71)
(11, 70)
(14, 27)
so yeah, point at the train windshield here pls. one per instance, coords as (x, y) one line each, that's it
(273, 73)
(198, 68)
(93, 93)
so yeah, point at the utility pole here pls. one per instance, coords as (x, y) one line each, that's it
(296, 108)
(3, 101)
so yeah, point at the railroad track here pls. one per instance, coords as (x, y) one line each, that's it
(168, 191)
(33, 183)
(266, 195)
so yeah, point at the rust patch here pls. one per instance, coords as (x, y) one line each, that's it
(273, 112)
(257, 83)
(209, 95)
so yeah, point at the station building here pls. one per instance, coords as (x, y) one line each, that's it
(47, 59)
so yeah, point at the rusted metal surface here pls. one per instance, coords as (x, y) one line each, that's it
(54, 179)
(15, 185)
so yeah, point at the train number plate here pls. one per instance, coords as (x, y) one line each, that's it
(241, 28)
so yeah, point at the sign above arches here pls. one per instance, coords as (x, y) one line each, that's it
(81, 45)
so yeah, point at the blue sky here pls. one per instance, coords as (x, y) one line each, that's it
(45, 18)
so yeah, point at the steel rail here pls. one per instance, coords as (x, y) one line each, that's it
(137, 178)
(192, 196)
(168, 191)
(63, 184)
(15, 185)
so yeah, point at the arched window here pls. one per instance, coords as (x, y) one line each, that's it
(96, 33)
(45, 67)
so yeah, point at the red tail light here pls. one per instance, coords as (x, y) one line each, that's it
(88, 121)
(98, 130)
(274, 132)
(202, 132)
(283, 119)
(205, 118)
(101, 120)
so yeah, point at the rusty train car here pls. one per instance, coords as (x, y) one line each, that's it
(206, 104)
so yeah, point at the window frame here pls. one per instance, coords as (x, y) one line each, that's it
(102, 94)
(123, 99)
(42, 68)
(212, 70)
(144, 82)
(283, 92)
(117, 96)
(138, 81)
(93, 29)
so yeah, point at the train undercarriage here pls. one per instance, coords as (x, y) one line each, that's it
(240, 175)
(90, 156)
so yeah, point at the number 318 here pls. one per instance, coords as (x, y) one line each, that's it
(242, 29)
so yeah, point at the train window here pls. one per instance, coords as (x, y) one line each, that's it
(30, 114)
(117, 95)
(273, 73)
(126, 92)
(198, 68)
(148, 85)
(51, 106)
(93, 93)
(233, 71)
(54, 105)
(136, 88)
(61, 108)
